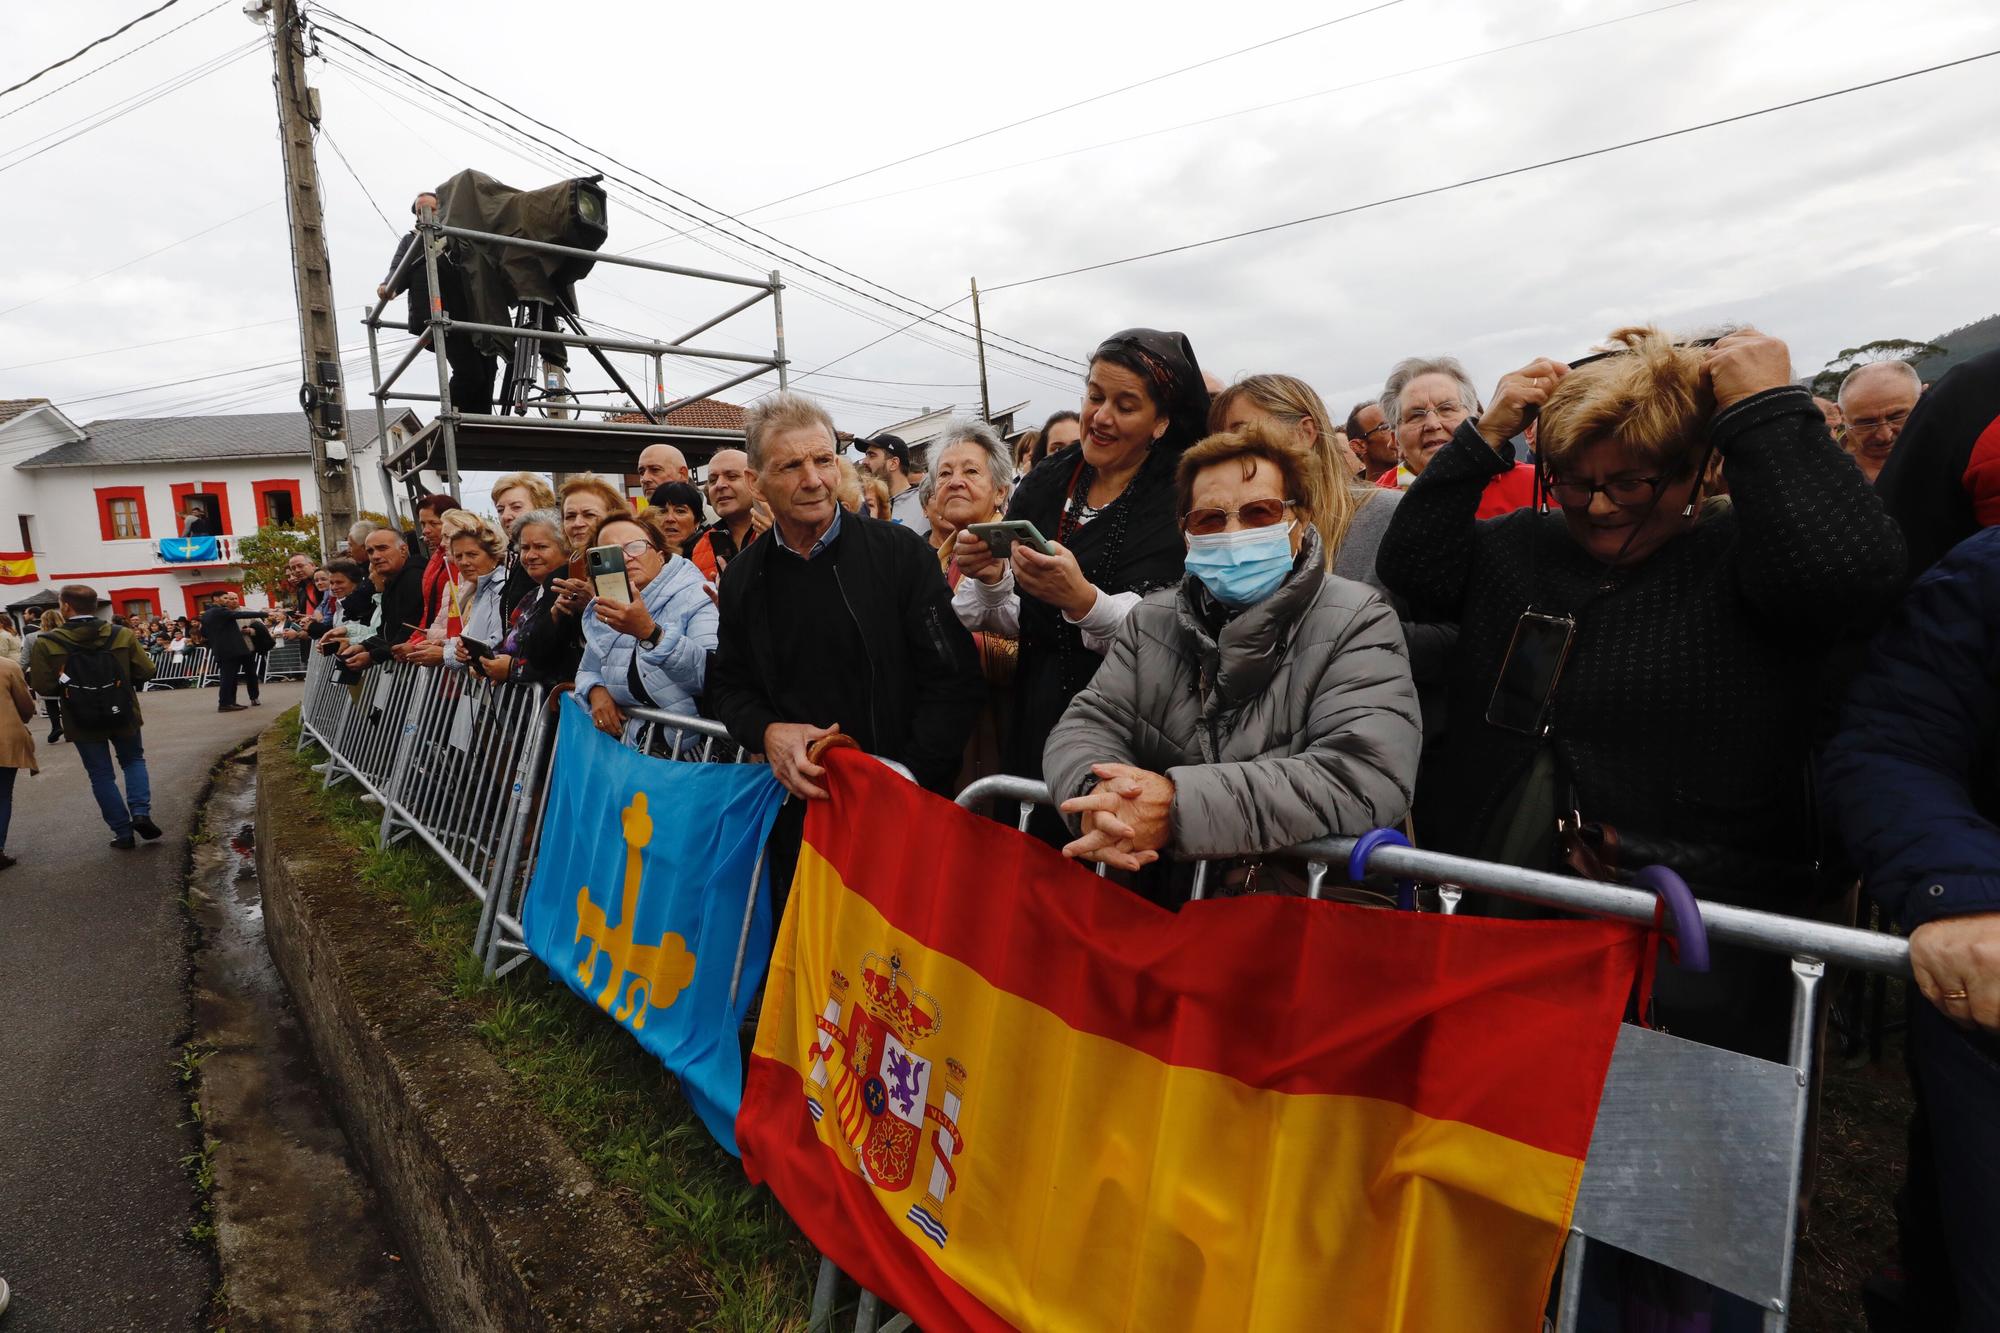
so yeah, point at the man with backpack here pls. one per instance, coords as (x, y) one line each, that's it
(96, 668)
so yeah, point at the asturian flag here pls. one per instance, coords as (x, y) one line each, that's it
(189, 550)
(649, 878)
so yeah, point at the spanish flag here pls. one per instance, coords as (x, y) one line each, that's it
(1001, 1092)
(17, 567)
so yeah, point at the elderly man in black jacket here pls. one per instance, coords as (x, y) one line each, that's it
(399, 603)
(841, 624)
(222, 632)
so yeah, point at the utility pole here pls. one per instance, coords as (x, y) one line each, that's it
(323, 394)
(979, 332)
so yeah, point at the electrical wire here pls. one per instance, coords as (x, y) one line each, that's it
(89, 46)
(36, 300)
(1071, 106)
(1498, 175)
(911, 301)
(90, 73)
(1231, 115)
(133, 347)
(323, 133)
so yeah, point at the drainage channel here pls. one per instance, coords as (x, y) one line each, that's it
(301, 1239)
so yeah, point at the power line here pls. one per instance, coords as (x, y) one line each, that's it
(884, 338)
(1231, 115)
(49, 69)
(1500, 175)
(762, 249)
(369, 194)
(91, 73)
(36, 300)
(133, 347)
(1071, 106)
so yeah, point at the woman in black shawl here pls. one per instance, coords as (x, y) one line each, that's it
(1107, 503)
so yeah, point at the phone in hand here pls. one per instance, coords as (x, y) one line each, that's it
(607, 573)
(1000, 537)
(474, 649)
(579, 567)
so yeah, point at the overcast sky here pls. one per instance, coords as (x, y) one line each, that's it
(1870, 215)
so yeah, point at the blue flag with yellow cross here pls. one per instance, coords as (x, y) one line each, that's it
(640, 898)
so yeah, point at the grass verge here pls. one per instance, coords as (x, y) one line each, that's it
(618, 1108)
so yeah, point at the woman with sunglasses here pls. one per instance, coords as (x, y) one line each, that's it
(1259, 703)
(1635, 676)
(652, 651)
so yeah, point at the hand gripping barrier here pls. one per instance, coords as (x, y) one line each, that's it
(1698, 1152)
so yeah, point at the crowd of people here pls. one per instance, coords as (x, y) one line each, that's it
(1615, 613)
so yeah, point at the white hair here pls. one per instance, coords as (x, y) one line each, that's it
(966, 430)
(1409, 368)
(782, 411)
(1900, 369)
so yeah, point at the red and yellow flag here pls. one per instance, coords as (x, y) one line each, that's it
(1001, 1092)
(17, 567)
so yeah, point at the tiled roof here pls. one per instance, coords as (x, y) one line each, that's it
(702, 414)
(182, 439)
(14, 407)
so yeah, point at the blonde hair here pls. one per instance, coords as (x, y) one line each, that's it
(1329, 493)
(1649, 396)
(614, 499)
(849, 494)
(541, 495)
(457, 523)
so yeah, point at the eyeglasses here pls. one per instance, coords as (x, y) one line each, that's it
(1625, 492)
(1377, 430)
(1869, 425)
(637, 547)
(1418, 415)
(1256, 514)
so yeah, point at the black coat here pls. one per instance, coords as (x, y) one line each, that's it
(222, 633)
(1140, 550)
(1942, 483)
(924, 687)
(402, 607)
(550, 646)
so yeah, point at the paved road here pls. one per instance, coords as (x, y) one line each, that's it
(94, 1204)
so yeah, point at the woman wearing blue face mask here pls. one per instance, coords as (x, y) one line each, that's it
(1261, 703)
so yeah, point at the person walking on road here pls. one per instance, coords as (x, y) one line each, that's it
(17, 745)
(223, 634)
(97, 669)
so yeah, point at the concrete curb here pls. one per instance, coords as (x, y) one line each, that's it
(504, 1227)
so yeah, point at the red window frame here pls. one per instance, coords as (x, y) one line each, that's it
(119, 596)
(182, 491)
(263, 490)
(106, 527)
(191, 591)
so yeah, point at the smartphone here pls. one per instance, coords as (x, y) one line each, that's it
(1000, 537)
(1530, 671)
(579, 567)
(478, 651)
(607, 574)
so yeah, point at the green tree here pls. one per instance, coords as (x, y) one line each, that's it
(264, 552)
(1827, 382)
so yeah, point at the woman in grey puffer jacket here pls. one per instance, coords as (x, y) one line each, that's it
(1262, 703)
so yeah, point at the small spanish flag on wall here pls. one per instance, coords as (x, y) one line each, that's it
(1003, 1093)
(17, 567)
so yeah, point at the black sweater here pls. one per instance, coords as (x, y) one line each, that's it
(1684, 713)
(897, 671)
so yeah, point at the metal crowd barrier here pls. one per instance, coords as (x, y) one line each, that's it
(1698, 1153)
(175, 670)
(287, 661)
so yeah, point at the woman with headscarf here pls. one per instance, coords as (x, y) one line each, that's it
(1107, 507)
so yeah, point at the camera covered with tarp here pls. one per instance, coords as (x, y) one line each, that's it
(494, 277)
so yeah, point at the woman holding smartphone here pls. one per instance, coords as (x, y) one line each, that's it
(476, 549)
(544, 640)
(648, 648)
(1105, 509)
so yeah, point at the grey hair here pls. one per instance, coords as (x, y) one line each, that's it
(540, 518)
(358, 530)
(782, 411)
(1409, 368)
(966, 430)
(1902, 368)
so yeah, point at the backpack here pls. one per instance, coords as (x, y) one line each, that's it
(95, 694)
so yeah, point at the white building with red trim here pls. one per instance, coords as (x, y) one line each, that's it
(96, 503)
